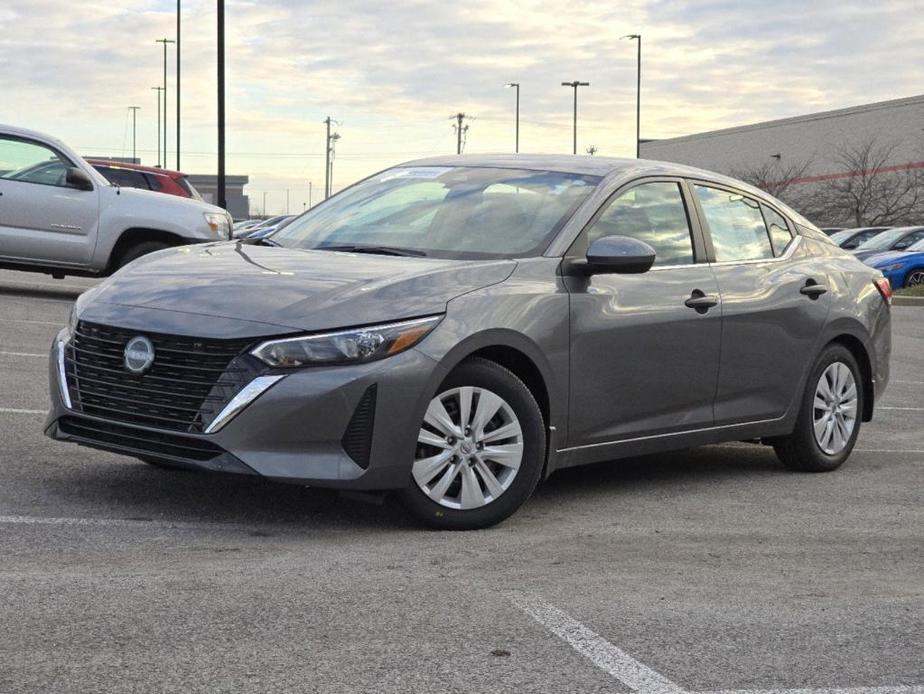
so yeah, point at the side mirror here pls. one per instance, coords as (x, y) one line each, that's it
(77, 178)
(619, 254)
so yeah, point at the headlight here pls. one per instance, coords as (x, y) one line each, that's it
(72, 321)
(892, 268)
(219, 223)
(346, 346)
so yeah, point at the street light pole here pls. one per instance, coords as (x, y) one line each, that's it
(159, 90)
(221, 105)
(134, 110)
(574, 85)
(638, 93)
(516, 85)
(165, 41)
(177, 85)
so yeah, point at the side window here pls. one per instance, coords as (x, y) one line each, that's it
(780, 236)
(651, 212)
(126, 178)
(153, 181)
(909, 240)
(735, 224)
(31, 162)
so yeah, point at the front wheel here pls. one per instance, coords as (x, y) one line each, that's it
(829, 419)
(915, 277)
(480, 449)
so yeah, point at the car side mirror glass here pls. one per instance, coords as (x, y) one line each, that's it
(78, 178)
(619, 254)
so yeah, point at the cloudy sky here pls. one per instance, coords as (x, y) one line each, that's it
(392, 71)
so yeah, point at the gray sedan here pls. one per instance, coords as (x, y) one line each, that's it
(457, 329)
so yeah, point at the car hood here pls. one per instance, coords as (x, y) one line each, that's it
(289, 290)
(163, 200)
(863, 255)
(887, 257)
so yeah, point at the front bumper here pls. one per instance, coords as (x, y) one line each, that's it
(295, 431)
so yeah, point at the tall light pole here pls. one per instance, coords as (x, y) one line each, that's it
(574, 85)
(309, 194)
(638, 94)
(159, 90)
(134, 110)
(165, 41)
(177, 85)
(516, 85)
(221, 202)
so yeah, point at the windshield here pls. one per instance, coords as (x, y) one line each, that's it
(840, 236)
(445, 212)
(917, 246)
(883, 241)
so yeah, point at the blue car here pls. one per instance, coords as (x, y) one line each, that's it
(903, 268)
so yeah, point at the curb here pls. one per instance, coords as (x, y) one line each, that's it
(899, 300)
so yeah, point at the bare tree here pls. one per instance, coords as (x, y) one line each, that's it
(785, 180)
(871, 190)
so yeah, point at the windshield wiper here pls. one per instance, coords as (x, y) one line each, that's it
(380, 250)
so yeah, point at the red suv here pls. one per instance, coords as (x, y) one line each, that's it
(146, 178)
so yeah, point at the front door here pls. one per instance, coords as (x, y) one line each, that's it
(643, 362)
(41, 217)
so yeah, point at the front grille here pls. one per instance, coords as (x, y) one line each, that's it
(126, 439)
(189, 382)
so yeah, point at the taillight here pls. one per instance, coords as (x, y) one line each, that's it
(885, 288)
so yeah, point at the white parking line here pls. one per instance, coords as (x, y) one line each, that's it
(595, 648)
(907, 409)
(115, 523)
(24, 354)
(30, 322)
(916, 383)
(16, 410)
(638, 676)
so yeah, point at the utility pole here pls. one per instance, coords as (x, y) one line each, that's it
(309, 194)
(592, 150)
(221, 202)
(264, 203)
(638, 93)
(159, 90)
(287, 201)
(516, 85)
(165, 41)
(177, 85)
(329, 158)
(134, 110)
(461, 130)
(574, 85)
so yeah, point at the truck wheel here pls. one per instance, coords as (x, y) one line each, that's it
(139, 249)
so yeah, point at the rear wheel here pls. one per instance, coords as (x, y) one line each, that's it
(139, 249)
(829, 419)
(915, 277)
(480, 449)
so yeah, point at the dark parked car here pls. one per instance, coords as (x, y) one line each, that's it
(897, 239)
(848, 239)
(457, 329)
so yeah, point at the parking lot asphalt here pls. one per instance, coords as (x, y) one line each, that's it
(712, 569)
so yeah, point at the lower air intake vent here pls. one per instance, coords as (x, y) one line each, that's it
(357, 439)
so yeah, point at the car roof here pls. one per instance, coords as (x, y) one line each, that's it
(136, 167)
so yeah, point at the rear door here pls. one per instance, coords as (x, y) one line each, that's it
(643, 363)
(775, 302)
(41, 217)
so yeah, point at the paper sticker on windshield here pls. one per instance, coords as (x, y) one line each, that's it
(416, 172)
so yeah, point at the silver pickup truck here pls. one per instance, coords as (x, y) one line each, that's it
(60, 216)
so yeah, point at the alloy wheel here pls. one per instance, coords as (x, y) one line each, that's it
(835, 408)
(916, 277)
(469, 448)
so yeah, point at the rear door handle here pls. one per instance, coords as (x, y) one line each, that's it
(813, 290)
(700, 301)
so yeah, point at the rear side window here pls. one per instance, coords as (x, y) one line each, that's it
(651, 212)
(778, 228)
(126, 178)
(735, 224)
(153, 181)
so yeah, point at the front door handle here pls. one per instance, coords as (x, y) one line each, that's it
(813, 290)
(701, 301)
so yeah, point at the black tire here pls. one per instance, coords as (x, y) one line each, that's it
(916, 274)
(165, 465)
(139, 249)
(482, 373)
(800, 451)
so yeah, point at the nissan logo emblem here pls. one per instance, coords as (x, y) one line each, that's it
(139, 354)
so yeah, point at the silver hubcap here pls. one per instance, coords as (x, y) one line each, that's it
(835, 408)
(469, 448)
(916, 277)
